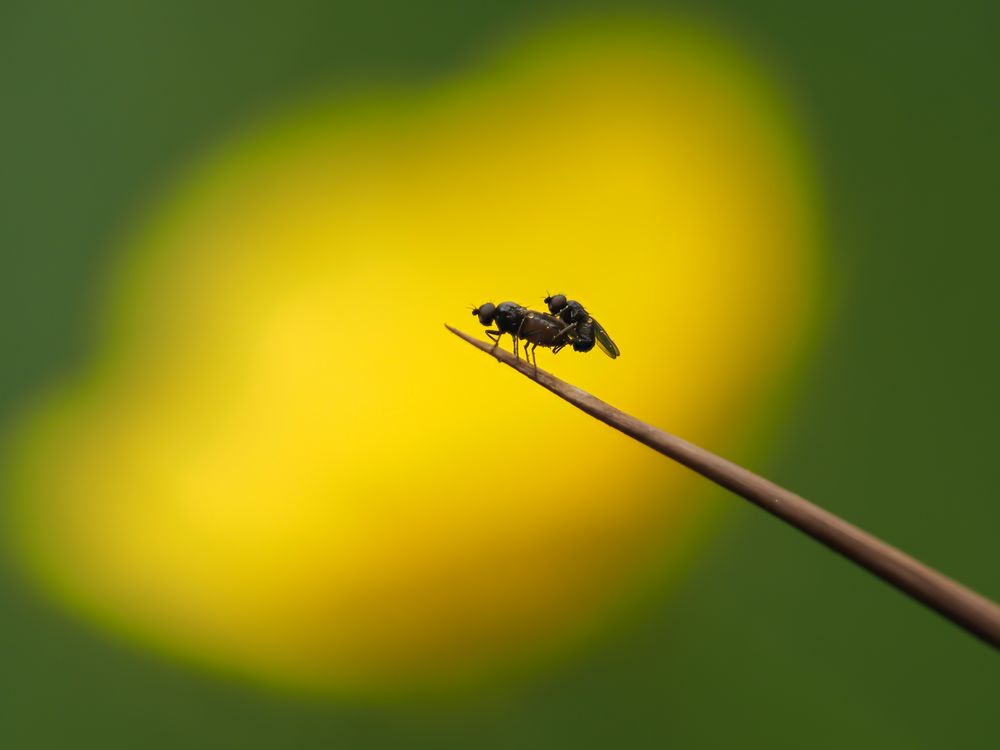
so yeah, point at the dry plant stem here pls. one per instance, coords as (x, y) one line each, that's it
(966, 608)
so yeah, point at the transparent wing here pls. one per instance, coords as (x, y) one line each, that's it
(604, 340)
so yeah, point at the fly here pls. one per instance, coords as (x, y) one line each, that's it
(534, 328)
(586, 331)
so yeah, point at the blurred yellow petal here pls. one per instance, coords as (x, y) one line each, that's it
(282, 465)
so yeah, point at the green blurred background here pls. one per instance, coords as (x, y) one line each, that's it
(771, 641)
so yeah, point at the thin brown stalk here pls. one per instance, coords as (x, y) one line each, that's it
(976, 614)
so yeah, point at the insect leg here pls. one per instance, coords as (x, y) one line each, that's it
(517, 337)
(496, 336)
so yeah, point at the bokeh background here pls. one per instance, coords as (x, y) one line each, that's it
(881, 409)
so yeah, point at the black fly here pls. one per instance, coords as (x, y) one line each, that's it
(568, 324)
(586, 330)
(534, 328)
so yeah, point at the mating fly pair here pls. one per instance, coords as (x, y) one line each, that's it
(566, 323)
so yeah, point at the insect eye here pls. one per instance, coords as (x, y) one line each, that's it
(556, 303)
(485, 313)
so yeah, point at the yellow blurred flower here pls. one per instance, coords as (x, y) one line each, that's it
(281, 464)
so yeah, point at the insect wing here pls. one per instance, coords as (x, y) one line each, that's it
(604, 341)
